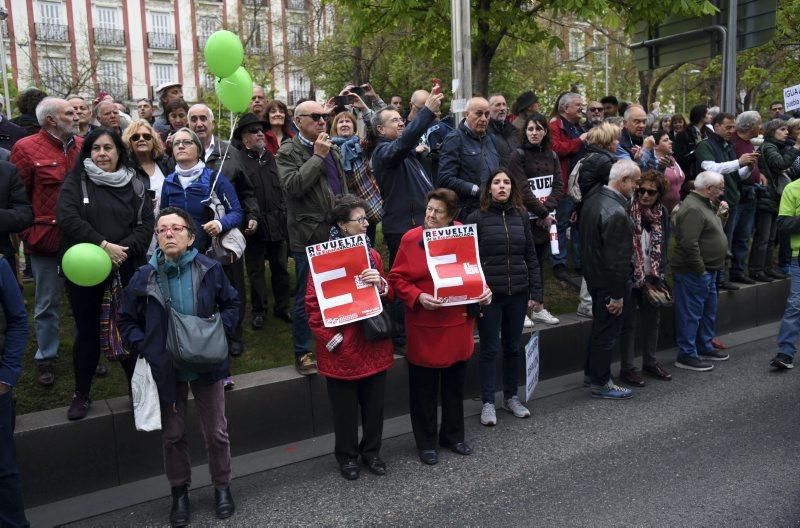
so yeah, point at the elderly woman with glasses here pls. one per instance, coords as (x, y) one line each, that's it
(197, 286)
(189, 188)
(102, 203)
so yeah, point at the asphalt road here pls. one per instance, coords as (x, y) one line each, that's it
(707, 449)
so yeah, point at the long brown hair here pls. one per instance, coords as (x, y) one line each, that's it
(486, 192)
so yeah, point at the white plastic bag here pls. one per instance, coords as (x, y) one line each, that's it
(531, 365)
(146, 407)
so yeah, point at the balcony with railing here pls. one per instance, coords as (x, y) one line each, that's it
(157, 40)
(296, 5)
(201, 41)
(51, 32)
(116, 88)
(109, 37)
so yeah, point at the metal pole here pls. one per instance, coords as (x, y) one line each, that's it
(729, 58)
(6, 101)
(461, 56)
(683, 106)
(606, 66)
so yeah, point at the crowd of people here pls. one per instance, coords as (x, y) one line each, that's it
(599, 193)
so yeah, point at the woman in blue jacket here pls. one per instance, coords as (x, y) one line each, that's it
(189, 188)
(197, 285)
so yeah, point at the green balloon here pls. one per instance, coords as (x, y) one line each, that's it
(224, 53)
(235, 90)
(86, 264)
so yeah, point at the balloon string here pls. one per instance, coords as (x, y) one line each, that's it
(225, 155)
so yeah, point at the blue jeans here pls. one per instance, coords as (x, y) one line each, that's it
(695, 312)
(606, 332)
(12, 510)
(501, 323)
(49, 287)
(789, 332)
(564, 210)
(739, 233)
(301, 333)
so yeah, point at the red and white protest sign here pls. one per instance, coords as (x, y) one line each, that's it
(335, 268)
(454, 263)
(542, 186)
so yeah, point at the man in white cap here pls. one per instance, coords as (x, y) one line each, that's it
(167, 92)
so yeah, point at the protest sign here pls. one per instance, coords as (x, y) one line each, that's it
(335, 268)
(791, 98)
(454, 263)
(541, 187)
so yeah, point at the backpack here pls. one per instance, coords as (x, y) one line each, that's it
(573, 189)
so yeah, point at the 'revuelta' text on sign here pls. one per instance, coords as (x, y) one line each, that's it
(454, 263)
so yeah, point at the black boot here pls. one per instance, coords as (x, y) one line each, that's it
(224, 500)
(179, 514)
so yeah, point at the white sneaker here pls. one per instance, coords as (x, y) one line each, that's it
(585, 314)
(488, 415)
(546, 317)
(514, 406)
(528, 322)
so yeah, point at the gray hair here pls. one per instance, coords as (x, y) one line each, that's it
(747, 121)
(713, 111)
(201, 106)
(631, 107)
(49, 106)
(621, 169)
(377, 117)
(566, 99)
(201, 152)
(706, 179)
(793, 123)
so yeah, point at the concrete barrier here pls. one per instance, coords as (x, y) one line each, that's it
(59, 459)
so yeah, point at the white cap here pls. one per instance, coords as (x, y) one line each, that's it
(166, 86)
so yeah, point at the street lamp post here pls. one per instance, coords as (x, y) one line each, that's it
(3, 17)
(604, 49)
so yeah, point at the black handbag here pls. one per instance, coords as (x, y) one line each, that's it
(195, 343)
(381, 326)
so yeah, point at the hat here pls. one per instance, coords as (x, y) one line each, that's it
(245, 121)
(525, 100)
(163, 87)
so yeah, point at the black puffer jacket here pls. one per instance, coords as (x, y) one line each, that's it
(507, 252)
(606, 234)
(594, 169)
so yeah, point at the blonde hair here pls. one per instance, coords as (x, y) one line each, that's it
(603, 135)
(158, 145)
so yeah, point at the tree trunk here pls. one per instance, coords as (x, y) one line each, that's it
(481, 64)
(645, 79)
(358, 66)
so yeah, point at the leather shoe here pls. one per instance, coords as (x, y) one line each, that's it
(775, 274)
(727, 285)
(631, 377)
(741, 279)
(224, 500)
(350, 470)
(760, 276)
(44, 373)
(429, 456)
(235, 348)
(179, 513)
(375, 465)
(657, 371)
(258, 321)
(459, 448)
(286, 317)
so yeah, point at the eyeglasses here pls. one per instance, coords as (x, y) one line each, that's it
(182, 142)
(175, 229)
(363, 220)
(145, 136)
(720, 188)
(595, 109)
(314, 116)
(254, 130)
(648, 192)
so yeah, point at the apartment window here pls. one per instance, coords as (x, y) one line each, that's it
(161, 34)
(107, 30)
(162, 73)
(55, 75)
(577, 44)
(52, 22)
(110, 76)
(299, 87)
(206, 26)
(297, 5)
(296, 38)
(252, 32)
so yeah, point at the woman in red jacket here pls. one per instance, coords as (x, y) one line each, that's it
(355, 369)
(439, 338)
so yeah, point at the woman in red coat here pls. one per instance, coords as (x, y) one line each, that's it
(355, 369)
(439, 338)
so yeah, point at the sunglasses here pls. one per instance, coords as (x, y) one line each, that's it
(254, 130)
(600, 109)
(145, 136)
(314, 117)
(648, 192)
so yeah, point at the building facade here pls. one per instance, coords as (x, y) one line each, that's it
(128, 47)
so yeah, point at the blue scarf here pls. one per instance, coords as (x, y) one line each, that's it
(351, 151)
(179, 275)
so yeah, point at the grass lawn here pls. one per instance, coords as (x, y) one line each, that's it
(264, 349)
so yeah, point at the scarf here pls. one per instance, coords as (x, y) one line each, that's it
(643, 217)
(118, 178)
(192, 172)
(351, 151)
(180, 289)
(336, 234)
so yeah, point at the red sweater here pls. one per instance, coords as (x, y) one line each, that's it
(563, 145)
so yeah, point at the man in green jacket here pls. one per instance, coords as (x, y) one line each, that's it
(310, 170)
(699, 255)
(789, 332)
